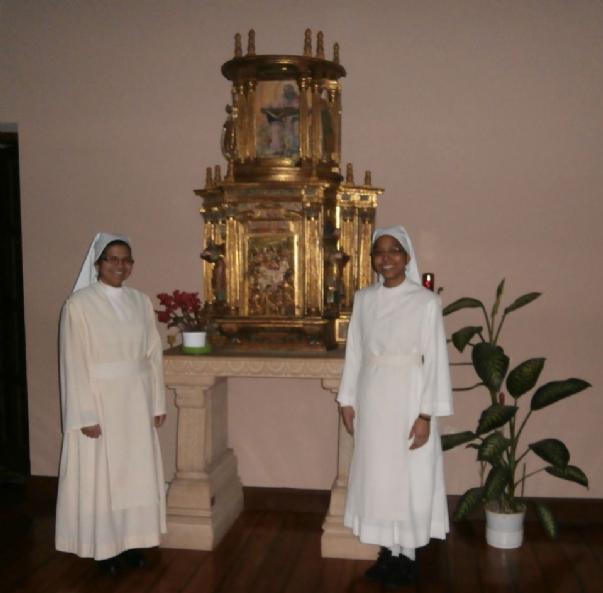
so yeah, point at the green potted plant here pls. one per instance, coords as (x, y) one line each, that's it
(497, 437)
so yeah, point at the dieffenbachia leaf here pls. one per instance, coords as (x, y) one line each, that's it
(552, 451)
(491, 364)
(468, 502)
(463, 303)
(495, 416)
(449, 441)
(522, 301)
(556, 390)
(524, 376)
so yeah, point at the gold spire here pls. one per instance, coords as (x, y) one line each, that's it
(238, 51)
(251, 43)
(209, 181)
(320, 45)
(308, 42)
(349, 174)
(229, 172)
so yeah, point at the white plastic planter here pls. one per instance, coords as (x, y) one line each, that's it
(504, 530)
(194, 342)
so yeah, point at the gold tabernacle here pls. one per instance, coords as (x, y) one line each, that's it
(286, 237)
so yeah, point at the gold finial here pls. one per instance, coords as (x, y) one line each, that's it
(308, 43)
(349, 174)
(209, 181)
(217, 174)
(367, 178)
(336, 53)
(230, 172)
(320, 45)
(251, 43)
(238, 46)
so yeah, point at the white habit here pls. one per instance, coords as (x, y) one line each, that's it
(396, 367)
(111, 490)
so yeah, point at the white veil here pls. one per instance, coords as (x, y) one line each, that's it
(399, 233)
(88, 273)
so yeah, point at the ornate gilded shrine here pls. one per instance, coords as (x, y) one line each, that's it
(287, 238)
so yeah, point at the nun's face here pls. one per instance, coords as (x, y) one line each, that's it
(389, 260)
(115, 265)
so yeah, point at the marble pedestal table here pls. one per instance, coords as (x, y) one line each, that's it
(205, 496)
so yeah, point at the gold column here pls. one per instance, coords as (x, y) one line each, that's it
(365, 232)
(337, 124)
(348, 244)
(238, 102)
(232, 264)
(316, 127)
(313, 258)
(250, 104)
(304, 128)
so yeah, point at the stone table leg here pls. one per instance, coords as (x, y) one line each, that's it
(337, 540)
(206, 495)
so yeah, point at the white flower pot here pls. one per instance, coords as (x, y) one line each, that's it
(194, 342)
(504, 530)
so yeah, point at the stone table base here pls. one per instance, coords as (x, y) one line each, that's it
(206, 495)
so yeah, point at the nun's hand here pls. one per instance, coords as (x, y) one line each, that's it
(92, 432)
(159, 420)
(347, 415)
(419, 433)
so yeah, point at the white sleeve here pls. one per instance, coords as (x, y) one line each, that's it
(78, 403)
(155, 357)
(436, 395)
(353, 361)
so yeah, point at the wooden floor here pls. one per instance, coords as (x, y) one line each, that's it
(274, 549)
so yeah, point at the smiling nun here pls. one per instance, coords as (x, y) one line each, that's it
(111, 498)
(395, 383)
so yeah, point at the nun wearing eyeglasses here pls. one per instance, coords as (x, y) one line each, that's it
(395, 384)
(111, 500)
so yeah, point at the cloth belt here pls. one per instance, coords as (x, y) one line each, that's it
(396, 360)
(119, 370)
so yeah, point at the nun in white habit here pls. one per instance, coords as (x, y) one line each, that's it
(395, 383)
(111, 497)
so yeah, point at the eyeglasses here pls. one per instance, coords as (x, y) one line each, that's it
(392, 251)
(114, 260)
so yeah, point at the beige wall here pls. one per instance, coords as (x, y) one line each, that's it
(482, 119)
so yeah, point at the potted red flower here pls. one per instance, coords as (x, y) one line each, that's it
(185, 311)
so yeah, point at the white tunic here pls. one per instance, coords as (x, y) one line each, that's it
(396, 367)
(111, 491)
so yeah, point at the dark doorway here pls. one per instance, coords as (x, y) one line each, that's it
(14, 433)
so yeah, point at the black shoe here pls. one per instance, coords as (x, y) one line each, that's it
(133, 558)
(379, 570)
(109, 566)
(401, 571)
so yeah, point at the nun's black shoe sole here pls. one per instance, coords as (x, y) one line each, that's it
(109, 566)
(401, 572)
(133, 558)
(379, 570)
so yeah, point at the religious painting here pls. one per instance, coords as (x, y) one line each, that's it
(270, 273)
(277, 119)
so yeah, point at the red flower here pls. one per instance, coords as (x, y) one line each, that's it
(163, 316)
(182, 309)
(179, 298)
